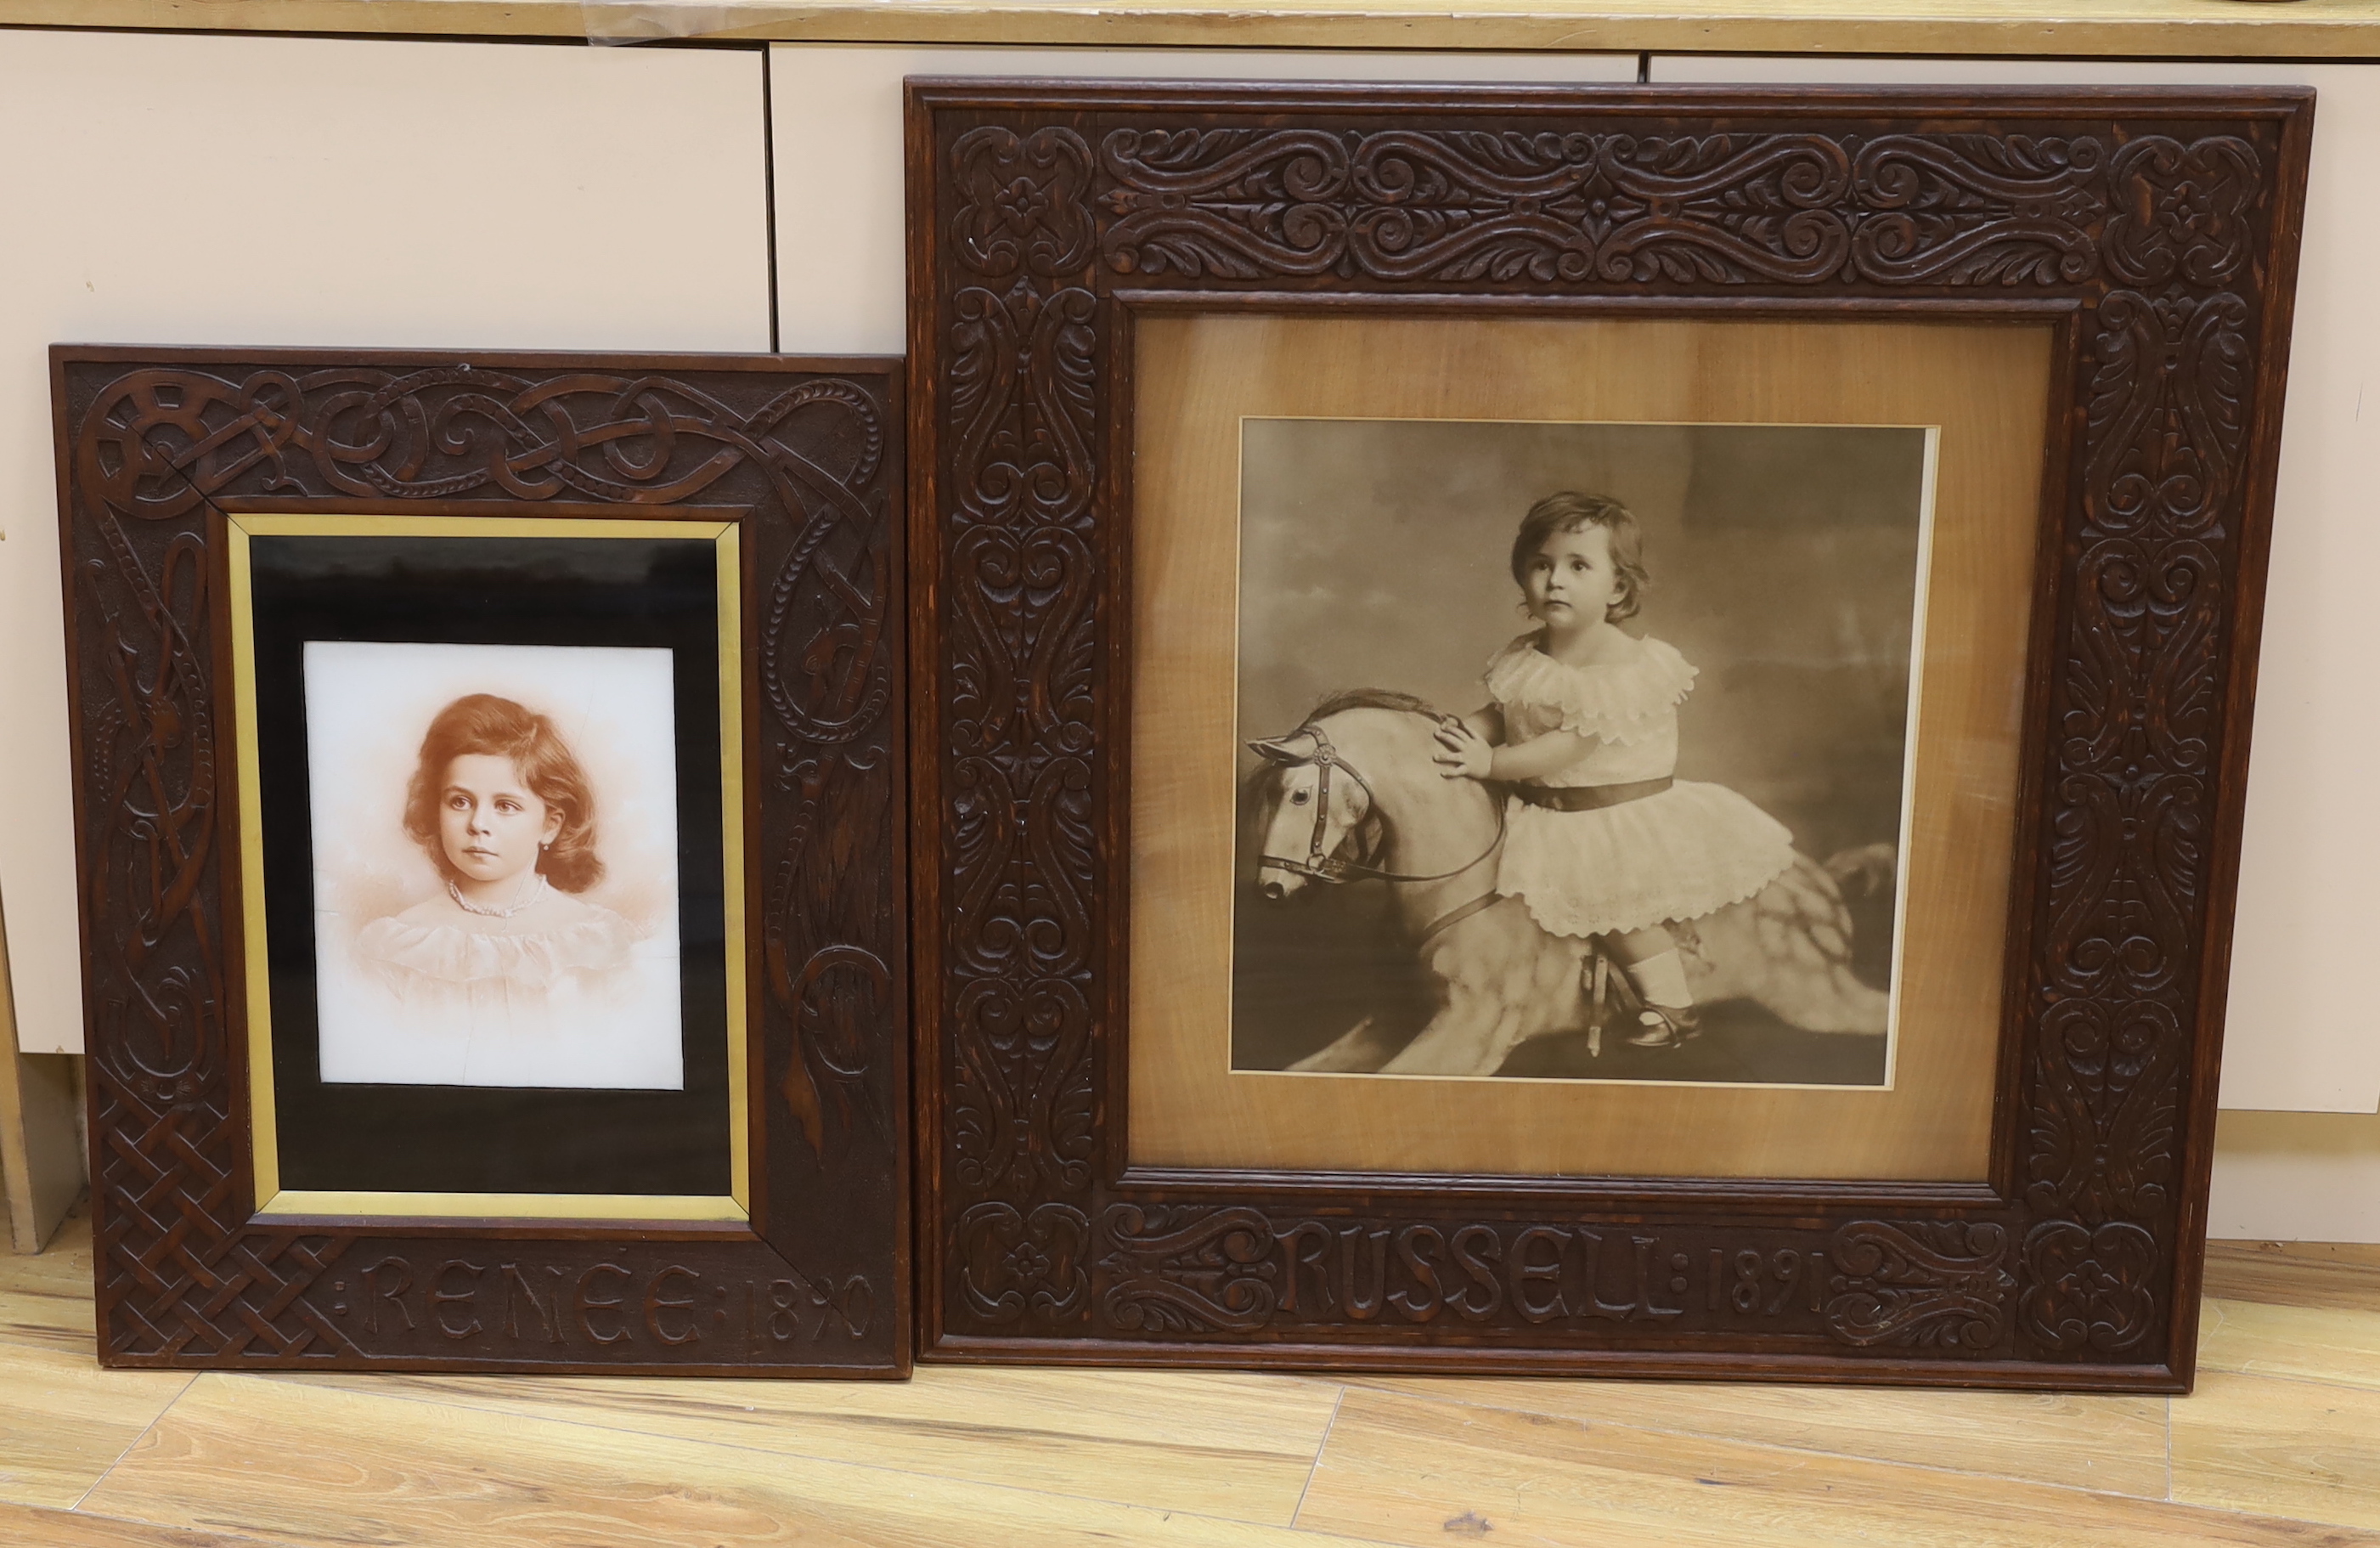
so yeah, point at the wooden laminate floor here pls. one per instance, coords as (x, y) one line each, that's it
(2280, 1445)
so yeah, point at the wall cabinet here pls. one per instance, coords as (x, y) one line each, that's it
(228, 189)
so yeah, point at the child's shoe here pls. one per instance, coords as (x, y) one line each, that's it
(1667, 1026)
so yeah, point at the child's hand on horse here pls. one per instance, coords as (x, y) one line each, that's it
(1461, 755)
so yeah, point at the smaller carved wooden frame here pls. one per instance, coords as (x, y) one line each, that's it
(157, 447)
(2160, 227)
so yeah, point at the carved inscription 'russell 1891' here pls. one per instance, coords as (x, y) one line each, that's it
(2161, 229)
(1233, 1270)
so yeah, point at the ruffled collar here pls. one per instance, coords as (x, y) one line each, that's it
(538, 949)
(1617, 702)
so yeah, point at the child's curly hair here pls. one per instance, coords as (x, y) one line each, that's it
(482, 723)
(1571, 512)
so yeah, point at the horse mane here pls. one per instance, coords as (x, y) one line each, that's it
(1372, 698)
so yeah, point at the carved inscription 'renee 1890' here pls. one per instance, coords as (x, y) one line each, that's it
(155, 446)
(2157, 230)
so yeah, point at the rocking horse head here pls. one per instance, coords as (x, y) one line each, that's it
(1323, 803)
(1332, 822)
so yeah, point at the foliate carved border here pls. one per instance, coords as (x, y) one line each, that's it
(151, 442)
(2169, 224)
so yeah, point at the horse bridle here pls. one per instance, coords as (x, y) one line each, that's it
(1323, 866)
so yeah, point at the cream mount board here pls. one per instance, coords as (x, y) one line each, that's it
(2303, 1032)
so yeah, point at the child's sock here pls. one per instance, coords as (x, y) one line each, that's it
(1661, 979)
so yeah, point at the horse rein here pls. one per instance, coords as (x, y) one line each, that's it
(1325, 867)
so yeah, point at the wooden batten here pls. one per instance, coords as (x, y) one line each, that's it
(40, 1156)
(2169, 28)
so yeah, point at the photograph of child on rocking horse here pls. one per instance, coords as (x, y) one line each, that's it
(1548, 895)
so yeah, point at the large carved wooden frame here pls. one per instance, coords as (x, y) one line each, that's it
(2160, 228)
(805, 455)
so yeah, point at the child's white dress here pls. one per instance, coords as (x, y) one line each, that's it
(1677, 854)
(561, 993)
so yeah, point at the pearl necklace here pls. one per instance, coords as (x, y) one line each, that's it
(535, 890)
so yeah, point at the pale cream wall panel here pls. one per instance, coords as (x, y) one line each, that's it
(2304, 1026)
(2296, 1176)
(163, 189)
(837, 114)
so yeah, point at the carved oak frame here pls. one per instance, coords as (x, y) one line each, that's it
(2159, 228)
(155, 446)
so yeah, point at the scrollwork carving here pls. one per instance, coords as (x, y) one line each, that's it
(2090, 1289)
(1977, 209)
(1402, 204)
(2167, 410)
(1016, 717)
(1011, 1263)
(1023, 201)
(1186, 1271)
(2183, 211)
(2161, 239)
(1937, 1285)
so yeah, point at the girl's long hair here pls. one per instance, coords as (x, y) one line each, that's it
(1571, 512)
(482, 723)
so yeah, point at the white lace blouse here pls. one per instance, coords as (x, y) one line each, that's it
(1628, 710)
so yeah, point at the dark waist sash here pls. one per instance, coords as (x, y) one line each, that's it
(1588, 798)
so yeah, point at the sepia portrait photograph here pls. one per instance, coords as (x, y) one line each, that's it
(495, 851)
(1575, 750)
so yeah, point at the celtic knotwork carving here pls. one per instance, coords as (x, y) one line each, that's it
(1186, 1271)
(1023, 201)
(1974, 209)
(2087, 1288)
(1402, 204)
(1010, 1263)
(829, 650)
(147, 848)
(1934, 1283)
(153, 450)
(163, 440)
(178, 1276)
(2181, 210)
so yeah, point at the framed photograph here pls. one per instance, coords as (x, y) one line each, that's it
(1584, 729)
(492, 866)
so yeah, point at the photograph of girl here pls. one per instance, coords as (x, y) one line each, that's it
(1594, 860)
(496, 901)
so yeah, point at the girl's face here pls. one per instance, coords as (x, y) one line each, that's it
(489, 822)
(1572, 583)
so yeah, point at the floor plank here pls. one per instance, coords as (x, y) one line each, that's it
(64, 1421)
(2310, 1343)
(306, 1463)
(2340, 1275)
(1219, 1444)
(2112, 1444)
(2307, 1450)
(27, 1526)
(1413, 1470)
